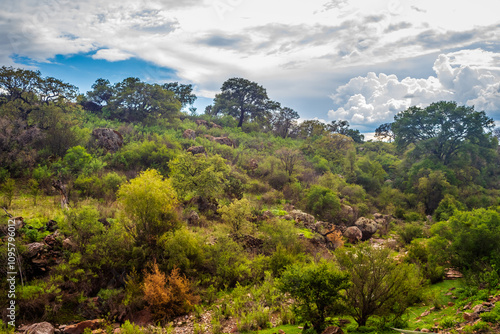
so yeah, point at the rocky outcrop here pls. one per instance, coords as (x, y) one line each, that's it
(193, 218)
(249, 242)
(109, 139)
(40, 328)
(353, 234)
(189, 134)
(70, 245)
(367, 226)
(302, 217)
(477, 310)
(383, 222)
(216, 126)
(196, 150)
(80, 327)
(201, 122)
(35, 249)
(333, 330)
(224, 141)
(347, 214)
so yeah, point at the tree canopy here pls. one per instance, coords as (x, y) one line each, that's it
(443, 129)
(243, 99)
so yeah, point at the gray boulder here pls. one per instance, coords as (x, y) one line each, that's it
(40, 328)
(196, 149)
(189, 134)
(353, 234)
(109, 139)
(367, 226)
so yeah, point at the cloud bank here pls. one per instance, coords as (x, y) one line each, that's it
(470, 77)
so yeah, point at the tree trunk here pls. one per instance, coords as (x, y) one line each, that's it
(59, 186)
(242, 117)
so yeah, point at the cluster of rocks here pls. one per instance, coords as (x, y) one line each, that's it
(48, 252)
(95, 326)
(191, 135)
(208, 125)
(108, 139)
(470, 314)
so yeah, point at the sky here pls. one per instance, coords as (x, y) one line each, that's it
(355, 60)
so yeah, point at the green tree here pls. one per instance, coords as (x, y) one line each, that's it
(137, 101)
(380, 285)
(310, 128)
(149, 201)
(200, 175)
(370, 174)
(236, 215)
(334, 148)
(284, 121)
(8, 189)
(470, 241)
(442, 129)
(183, 93)
(317, 290)
(323, 203)
(431, 189)
(384, 132)
(289, 159)
(102, 91)
(34, 189)
(342, 127)
(243, 99)
(30, 87)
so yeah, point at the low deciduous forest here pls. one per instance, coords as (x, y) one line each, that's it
(136, 213)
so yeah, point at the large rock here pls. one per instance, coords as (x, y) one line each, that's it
(109, 139)
(333, 330)
(224, 141)
(40, 328)
(80, 327)
(197, 149)
(213, 125)
(353, 234)
(193, 218)
(367, 226)
(347, 214)
(70, 245)
(201, 122)
(34, 249)
(189, 134)
(302, 217)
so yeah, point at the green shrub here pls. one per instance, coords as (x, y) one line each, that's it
(493, 316)
(410, 231)
(184, 249)
(447, 322)
(322, 203)
(130, 328)
(316, 289)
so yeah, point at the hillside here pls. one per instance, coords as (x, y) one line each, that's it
(122, 208)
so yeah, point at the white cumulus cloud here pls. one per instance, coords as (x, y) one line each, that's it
(470, 77)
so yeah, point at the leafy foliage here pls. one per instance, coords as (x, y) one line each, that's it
(149, 201)
(443, 129)
(380, 286)
(317, 290)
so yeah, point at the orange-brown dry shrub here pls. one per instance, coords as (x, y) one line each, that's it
(335, 238)
(167, 297)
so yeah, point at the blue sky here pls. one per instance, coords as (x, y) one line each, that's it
(328, 59)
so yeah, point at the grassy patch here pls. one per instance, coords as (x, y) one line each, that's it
(436, 296)
(288, 329)
(306, 232)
